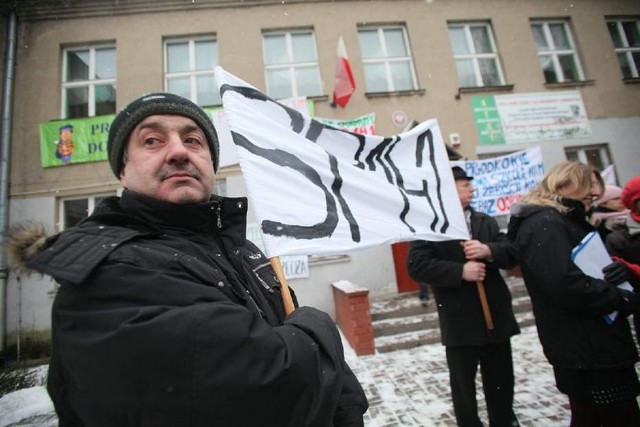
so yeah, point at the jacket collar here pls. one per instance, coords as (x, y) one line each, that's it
(215, 216)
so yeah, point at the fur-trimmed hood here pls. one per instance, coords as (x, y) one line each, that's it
(24, 242)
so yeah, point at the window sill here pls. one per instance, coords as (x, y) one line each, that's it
(570, 84)
(395, 93)
(481, 89)
(318, 98)
(631, 80)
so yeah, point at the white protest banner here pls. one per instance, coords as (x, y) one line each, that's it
(319, 190)
(363, 125)
(502, 181)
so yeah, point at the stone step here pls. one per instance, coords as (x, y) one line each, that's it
(400, 321)
(411, 339)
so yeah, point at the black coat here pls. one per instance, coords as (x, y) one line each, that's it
(569, 306)
(167, 316)
(460, 313)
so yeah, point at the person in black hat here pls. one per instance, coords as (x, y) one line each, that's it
(461, 274)
(172, 317)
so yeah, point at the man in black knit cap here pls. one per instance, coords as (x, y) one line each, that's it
(166, 314)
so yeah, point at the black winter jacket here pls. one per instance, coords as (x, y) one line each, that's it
(167, 316)
(569, 306)
(460, 313)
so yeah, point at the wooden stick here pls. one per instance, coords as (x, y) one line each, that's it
(485, 305)
(286, 294)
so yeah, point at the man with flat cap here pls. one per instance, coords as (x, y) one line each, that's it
(166, 314)
(462, 274)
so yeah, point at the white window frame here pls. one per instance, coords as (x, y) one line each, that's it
(91, 83)
(386, 59)
(191, 73)
(291, 66)
(626, 50)
(554, 52)
(475, 56)
(91, 205)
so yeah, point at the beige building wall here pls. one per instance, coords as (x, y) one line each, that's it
(138, 30)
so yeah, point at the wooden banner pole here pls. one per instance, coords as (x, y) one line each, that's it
(286, 293)
(485, 305)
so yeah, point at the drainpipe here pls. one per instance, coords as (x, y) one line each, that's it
(5, 153)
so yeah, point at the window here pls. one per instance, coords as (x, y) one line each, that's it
(556, 50)
(475, 54)
(74, 210)
(386, 58)
(625, 34)
(189, 69)
(594, 155)
(89, 82)
(291, 64)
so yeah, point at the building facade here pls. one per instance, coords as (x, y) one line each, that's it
(489, 71)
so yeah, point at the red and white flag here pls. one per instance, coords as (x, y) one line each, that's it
(345, 84)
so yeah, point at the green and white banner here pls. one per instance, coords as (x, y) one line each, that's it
(64, 142)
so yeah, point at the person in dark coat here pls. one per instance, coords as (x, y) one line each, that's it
(624, 242)
(453, 270)
(592, 356)
(166, 314)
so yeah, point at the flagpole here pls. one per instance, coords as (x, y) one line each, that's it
(286, 293)
(485, 305)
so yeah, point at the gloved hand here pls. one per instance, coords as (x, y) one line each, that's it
(616, 273)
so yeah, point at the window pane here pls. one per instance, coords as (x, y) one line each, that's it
(308, 80)
(538, 36)
(77, 65)
(636, 61)
(624, 65)
(207, 91)
(278, 82)
(569, 68)
(275, 49)
(77, 102)
(594, 158)
(481, 40)
(632, 33)
(395, 42)
(105, 99)
(550, 76)
(489, 72)
(180, 86)
(370, 44)
(206, 54)
(304, 49)
(466, 75)
(401, 72)
(376, 78)
(572, 156)
(105, 63)
(458, 40)
(75, 211)
(559, 35)
(615, 34)
(177, 57)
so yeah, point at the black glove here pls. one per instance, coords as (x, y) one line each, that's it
(616, 273)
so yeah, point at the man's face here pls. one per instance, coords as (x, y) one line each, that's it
(168, 158)
(465, 192)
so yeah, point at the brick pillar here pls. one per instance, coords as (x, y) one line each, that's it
(353, 316)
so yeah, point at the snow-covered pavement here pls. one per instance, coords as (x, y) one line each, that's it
(405, 388)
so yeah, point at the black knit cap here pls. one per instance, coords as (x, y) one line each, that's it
(148, 105)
